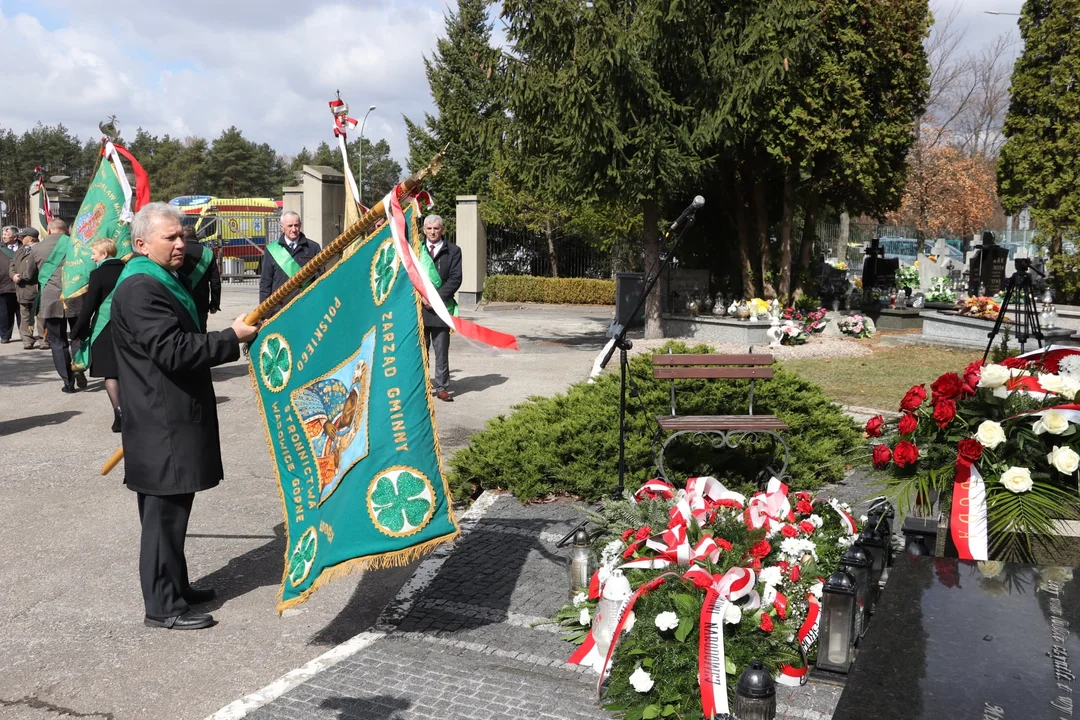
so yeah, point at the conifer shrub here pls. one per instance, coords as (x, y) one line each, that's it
(569, 443)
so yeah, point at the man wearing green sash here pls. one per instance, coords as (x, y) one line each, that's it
(284, 258)
(443, 266)
(172, 446)
(201, 271)
(9, 305)
(48, 257)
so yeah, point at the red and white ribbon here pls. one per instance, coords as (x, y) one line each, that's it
(770, 506)
(126, 213)
(653, 489)
(808, 635)
(712, 668)
(342, 125)
(968, 519)
(845, 517)
(426, 288)
(1049, 357)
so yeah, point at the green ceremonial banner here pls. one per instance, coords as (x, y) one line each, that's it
(99, 217)
(341, 379)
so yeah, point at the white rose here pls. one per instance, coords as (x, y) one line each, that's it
(666, 621)
(1064, 459)
(815, 520)
(1060, 385)
(990, 434)
(732, 614)
(1052, 422)
(993, 376)
(584, 618)
(641, 681)
(1017, 479)
(580, 598)
(771, 576)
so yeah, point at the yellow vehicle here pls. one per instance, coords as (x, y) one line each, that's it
(239, 227)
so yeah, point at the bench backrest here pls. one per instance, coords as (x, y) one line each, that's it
(695, 365)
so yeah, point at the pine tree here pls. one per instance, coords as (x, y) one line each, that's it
(469, 102)
(1040, 160)
(380, 172)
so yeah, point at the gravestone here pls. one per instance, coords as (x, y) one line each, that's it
(987, 267)
(878, 271)
(958, 639)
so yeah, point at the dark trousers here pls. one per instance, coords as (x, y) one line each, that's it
(26, 323)
(162, 566)
(61, 347)
(440, 338)
(9, 315)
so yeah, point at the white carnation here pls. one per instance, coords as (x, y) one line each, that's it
(771, 576)
(768, 595)
(845, 541)
(584, 618)
(641, 680)
(666, 620)
(795, 548)
(631, 620)
(1069, 366)
(732, 614)
(816, 589)
(816, 520)
(579, 599)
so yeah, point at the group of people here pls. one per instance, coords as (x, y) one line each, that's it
(144, 324)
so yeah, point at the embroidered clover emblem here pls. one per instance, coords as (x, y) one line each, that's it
(303, 556)
(401, 501)
(275, 363)
(384, 268)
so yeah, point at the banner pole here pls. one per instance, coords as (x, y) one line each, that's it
(316, 263)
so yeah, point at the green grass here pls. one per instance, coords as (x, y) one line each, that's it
(881, 379)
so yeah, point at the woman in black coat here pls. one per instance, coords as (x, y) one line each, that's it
(99, 287)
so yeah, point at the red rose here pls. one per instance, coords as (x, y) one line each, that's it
(643, 533)
(761, 549)
(947, 387)
(627, 533)
(789, 531)
(968, 451)
(913, 399)
(729, 503)
(905, 454)
(803, 507)
(723, 543)
(944, 412)
(795, 572)
(907, 424)
(972, 373)
(766, 622)
(804, 496)
(807, 527)
(873, 426)
(882, 456)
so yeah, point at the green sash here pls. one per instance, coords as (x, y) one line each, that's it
(4, 249)
(142, 265)
(55, 260)
(284, 260)
(81, 360)
(203, 265)
(428, 263)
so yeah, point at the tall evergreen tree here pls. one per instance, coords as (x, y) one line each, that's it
(470, 105)
(380, 172)
(1040, 160)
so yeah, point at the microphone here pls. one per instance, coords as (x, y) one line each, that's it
(688, 212)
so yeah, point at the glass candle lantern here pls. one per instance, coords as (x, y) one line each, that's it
(755, 694)
(856, 561)
(579, 563)
(836, 641)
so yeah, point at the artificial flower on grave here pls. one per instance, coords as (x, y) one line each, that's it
(759, 307)
(856, 326)
(793, 333)
(940, 292)
(748, 570)
(840, 265)
(981, 307)
(908, 276)
(999, 443)
(812, 320)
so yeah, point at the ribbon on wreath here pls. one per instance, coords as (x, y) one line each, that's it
(427, 290)
(808, 634)
(732, 586)
(967, 521)
(770, 506)
(1049, 357)
(845, 517)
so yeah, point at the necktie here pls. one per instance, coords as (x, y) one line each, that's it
(431, 249)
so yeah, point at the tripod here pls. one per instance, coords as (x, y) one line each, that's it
(623, 344)
(1026, 314)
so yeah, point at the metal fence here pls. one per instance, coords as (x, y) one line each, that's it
(902, 242)
(523, 252)
(238, 239)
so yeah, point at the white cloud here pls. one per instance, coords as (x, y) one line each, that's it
(195, 68)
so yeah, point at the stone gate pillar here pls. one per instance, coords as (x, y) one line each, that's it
(472, 239)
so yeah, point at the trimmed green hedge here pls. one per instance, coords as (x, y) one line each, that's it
(569, 443)
(562, 291)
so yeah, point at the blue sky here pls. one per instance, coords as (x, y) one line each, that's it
(268, 67)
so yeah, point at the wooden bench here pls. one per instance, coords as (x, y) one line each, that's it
(721, 430)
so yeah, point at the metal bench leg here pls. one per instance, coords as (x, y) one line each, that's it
(726, 439)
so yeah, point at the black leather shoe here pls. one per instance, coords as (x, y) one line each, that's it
(187, 621)
(198, 596)
(68, 389)
(80, 380)
(116, 420)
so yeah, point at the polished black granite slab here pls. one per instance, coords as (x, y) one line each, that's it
(963, 640)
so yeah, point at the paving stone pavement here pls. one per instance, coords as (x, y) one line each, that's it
(477, 644)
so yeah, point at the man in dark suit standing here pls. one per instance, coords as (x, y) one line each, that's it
(172, 447)
(447, 259)
(24, 274)
(286, 256)
(9, 305)
(200, 269)
(59, 314)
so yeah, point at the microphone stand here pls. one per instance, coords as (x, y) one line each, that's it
(623, 344)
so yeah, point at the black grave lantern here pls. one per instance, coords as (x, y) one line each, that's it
(920, 536)
(876, 538)
(755, 694)
(856, 561)
(836, 641)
